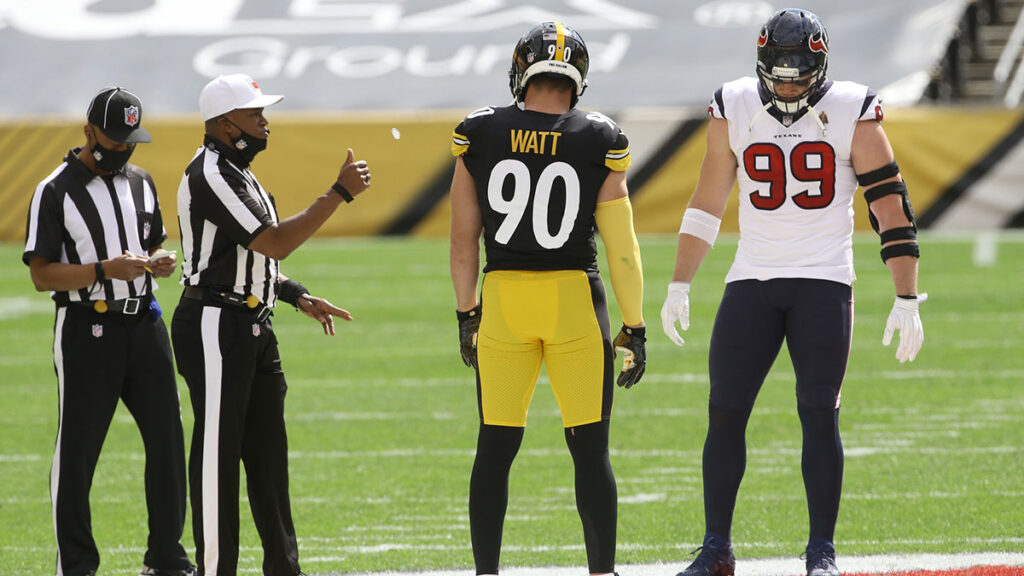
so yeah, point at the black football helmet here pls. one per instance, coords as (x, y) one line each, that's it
(793, 44)
(549, 48)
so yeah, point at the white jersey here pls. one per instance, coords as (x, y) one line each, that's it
(796, 182)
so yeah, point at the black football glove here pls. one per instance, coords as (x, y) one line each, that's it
(469, 325)
(632, 343)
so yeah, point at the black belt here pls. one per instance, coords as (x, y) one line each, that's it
(228, 299)
(126, 306)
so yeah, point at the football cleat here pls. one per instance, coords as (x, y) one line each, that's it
(715, 559)
(821, 559)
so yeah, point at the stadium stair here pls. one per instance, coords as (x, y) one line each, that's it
(966, 74)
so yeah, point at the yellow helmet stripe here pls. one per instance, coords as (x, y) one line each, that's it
(560, 42)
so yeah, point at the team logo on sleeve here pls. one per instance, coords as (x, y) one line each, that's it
(131, 115)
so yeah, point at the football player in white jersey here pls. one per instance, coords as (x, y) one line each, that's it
(799, 145)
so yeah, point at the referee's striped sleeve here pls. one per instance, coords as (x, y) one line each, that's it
(44, 230)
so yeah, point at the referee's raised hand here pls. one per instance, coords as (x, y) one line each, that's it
(354, 175)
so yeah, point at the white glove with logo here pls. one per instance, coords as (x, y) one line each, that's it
(676, 309)
(905, 318)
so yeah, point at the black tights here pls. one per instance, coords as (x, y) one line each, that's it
(596, 496)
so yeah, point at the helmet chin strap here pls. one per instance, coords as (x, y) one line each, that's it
(790, 107)
(750, 127)
(817, 118)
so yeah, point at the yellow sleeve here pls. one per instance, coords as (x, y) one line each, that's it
(615, 223)
(459, 143)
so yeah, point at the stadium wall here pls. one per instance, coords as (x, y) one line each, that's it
(941, 152)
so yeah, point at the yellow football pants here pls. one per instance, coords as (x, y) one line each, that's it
(559, 318)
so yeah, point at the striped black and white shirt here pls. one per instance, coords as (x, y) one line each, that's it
(221, 209)
(77, 217)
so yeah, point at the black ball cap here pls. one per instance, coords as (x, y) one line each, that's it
(118, 114)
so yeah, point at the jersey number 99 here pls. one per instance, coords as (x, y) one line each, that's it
(515, 208)
(809, 162)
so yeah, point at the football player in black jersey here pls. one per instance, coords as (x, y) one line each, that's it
(535, 178)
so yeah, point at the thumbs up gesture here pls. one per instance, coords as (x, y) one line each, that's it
(354, 175)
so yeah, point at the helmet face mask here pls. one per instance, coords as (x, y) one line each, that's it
(792, 51)
(550, 48)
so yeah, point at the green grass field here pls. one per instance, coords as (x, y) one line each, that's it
(382, 421)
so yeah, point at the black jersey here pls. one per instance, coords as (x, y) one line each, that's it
(537, 177)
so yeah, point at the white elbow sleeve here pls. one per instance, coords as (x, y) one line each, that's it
(701, 224)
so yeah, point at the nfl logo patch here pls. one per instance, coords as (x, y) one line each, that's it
(145, 230)
(97, 330)
(255, 329)
(131, 115)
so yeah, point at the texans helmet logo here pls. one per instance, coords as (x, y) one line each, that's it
(763, 38)
(818, 43)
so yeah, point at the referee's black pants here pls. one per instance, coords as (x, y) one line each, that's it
(100, 358)
(233, 370)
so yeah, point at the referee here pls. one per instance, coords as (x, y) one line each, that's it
(91, 226)
(224, 341)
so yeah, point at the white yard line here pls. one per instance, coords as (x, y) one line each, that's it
(770, 566)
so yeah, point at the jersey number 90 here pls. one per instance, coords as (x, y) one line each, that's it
(809, 162)
(515, 208)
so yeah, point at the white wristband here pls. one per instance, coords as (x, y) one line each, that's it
(701, 224)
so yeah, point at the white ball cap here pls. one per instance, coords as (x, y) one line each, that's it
(232, 92)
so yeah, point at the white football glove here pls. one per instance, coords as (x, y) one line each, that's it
(676, 309)
(905, 318)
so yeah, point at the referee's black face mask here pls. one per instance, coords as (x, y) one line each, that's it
(247, 145)
(110, 160)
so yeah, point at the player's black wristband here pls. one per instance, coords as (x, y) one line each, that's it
(463, 316)
(640, 332)
(290, 292)
(337, 187)
(100, 275)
